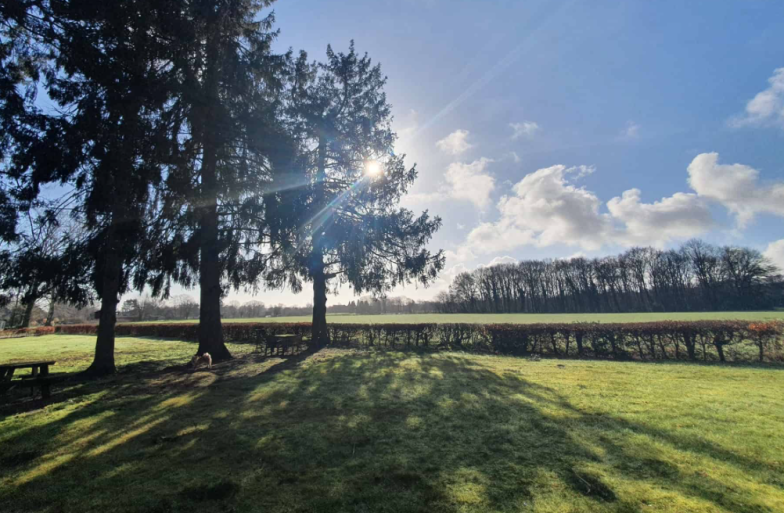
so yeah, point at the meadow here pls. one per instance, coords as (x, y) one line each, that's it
(348, 430)
(521, 318)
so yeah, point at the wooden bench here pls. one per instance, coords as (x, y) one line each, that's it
(39, 376)
(279, 343)
(289, 342)
(44, 383)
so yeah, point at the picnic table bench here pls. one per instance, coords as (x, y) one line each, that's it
(39, 376)
(277, 341)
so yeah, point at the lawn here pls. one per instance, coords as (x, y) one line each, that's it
(350, 431)
(526, 318)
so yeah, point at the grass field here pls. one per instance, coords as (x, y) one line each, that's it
(348, 431)
(525, 318)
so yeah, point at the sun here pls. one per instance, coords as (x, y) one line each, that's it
(373, 168)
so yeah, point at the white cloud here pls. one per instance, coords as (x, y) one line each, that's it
(460, 226)
(632, 131)
(546, 208)
(546, 203)
(460, 255)
(500, 260)
(470, 182)
(514, 156)
(767, 107)
(455, 143)
(736, 186)
(679, 216)
(525, 129)
(497, 237)
(775, 252)
(464, 182)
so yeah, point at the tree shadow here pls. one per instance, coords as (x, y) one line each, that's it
(349, 431)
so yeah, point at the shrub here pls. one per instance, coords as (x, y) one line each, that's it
(28, 332)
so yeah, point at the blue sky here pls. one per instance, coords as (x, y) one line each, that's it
(624, 96)
(544, 129)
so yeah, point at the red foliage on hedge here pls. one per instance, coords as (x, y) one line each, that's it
(28, 332)
(680, 340)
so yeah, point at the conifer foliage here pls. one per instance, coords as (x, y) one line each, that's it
(346, 223)
(187, 151)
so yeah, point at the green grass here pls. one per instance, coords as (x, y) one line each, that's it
(348, 431)
(525, 318)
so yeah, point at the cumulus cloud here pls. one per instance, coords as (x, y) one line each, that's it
(775, 252)
(767, 107)
(470, 182)
(464, 182)
(455, 143)
(500, 260)
(498, 237)
(526, 129)
(461, 254)
(546, 203)
(578, 254)
(736, 186)
(679, 216)
(547, 208)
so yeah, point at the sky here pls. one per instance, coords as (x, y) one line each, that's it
(547, 129)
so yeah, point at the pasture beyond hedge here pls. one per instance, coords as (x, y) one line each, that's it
(678, 340)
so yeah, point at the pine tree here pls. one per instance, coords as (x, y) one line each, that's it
(227, 112)
(341, 223)
(107, 73)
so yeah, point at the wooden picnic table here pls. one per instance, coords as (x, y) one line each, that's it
(273, 341)
(39, 372)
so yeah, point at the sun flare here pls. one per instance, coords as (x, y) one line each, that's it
(373, 168)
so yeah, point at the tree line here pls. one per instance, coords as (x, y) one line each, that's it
(695, 277)
(148, 143)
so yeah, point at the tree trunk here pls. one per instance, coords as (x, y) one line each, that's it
(690, 343)
(210, 329)
(103, 363)
(720, 348)
(28, 313)
(50, 313)
(611, 338)
(579, 339)
(319, 331)
(761, 351)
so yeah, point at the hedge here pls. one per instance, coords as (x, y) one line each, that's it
(667, 340)
(27, 332)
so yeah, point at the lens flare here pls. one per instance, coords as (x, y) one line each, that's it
(373, 168)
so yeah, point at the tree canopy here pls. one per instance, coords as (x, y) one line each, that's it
(189, 152)
(341, 221)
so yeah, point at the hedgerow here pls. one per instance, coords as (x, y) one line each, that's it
(27, 332)
(666, 340)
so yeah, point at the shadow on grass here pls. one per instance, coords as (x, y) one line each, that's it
(345, 431)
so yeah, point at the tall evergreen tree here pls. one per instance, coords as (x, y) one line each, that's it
(108, 76)
(342, 224)
(226, 114)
